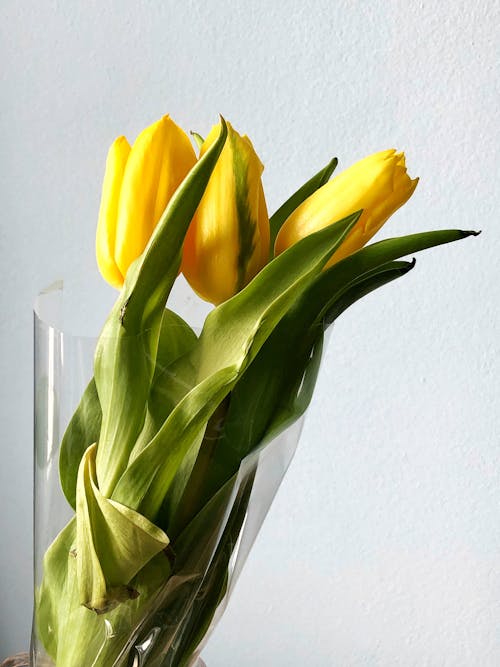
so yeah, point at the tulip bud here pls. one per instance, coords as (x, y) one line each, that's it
(138, 184)
(378, 184)
(228, 240)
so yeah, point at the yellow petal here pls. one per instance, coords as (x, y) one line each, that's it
(179, 159)
(228, 240)
(159, 160)
(106, 227)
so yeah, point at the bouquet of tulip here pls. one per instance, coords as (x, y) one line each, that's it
(152, 460)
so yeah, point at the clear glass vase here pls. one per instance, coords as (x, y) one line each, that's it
(171, 620)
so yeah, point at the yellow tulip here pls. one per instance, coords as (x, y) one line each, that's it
(379, 184)
(228, 240)
(138, 184)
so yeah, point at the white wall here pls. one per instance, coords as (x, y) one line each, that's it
(383, 546)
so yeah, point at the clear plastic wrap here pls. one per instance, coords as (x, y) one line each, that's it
(169, 620)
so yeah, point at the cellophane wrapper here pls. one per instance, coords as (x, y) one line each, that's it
(177, 617)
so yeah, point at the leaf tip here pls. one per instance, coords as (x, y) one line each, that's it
(223, 129)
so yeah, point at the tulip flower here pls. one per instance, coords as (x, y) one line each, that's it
(228, 240)
(378, 184)
(138, 184)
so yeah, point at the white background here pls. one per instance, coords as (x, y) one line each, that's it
(383, 545)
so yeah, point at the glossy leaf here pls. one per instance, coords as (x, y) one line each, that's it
(126, 352)
(232, 336)
(364, 263)
(285, 210)
(366, 284)
(82, 431)
(199, 140)
(113, 543)
(176, 339)
(278, 368)
(69, 630)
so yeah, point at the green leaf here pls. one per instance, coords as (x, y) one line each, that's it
(232, 336)
(278, 369)
(113, 543)
(274, 391)
(176, 339)
(326, 298)
(73, 635)
(82, 431)
(317, 181)
(367, 262)
(126, 352)
(148, 477)
(367, 283)
(297, 397)
(198, 138)
(193, 493)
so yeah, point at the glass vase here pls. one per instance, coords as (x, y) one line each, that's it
(170, 622)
